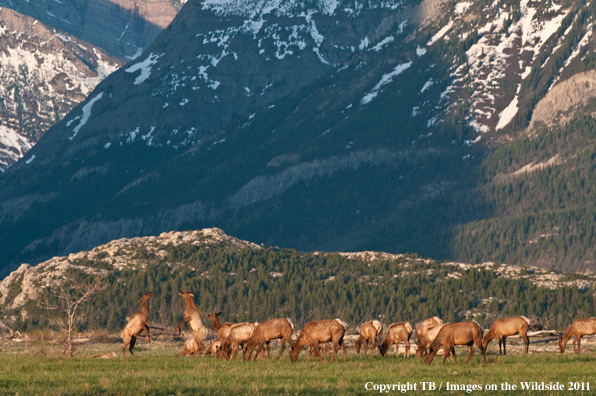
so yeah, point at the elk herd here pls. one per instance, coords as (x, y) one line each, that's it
(432, 335)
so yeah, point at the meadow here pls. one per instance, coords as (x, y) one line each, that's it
(35, 368)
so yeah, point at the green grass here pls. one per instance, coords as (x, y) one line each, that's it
(155, 370)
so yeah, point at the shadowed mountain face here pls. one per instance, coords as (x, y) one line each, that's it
(121, 27)
(329, 125)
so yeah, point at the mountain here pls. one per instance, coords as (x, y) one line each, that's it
(331, 125)
(122, 28)
(249, 282)
(45, 73)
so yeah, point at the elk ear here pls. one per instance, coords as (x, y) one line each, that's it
(218, 313)
(190, 294)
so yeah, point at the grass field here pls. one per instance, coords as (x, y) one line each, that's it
(34, 368)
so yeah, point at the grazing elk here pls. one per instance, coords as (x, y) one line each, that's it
(463, 333)
(239, 335)
(193, 317)
(578, 329)
(427, 339)
(504, 328)
(369, 331)
(317, 332)
(136, 324)
(395, 333)
(267, 331)
(422, 328)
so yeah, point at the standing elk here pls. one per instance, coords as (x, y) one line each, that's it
(369, 331)
(463, 333)
(578, 329)
(504, 328)
(193, 317)
(239, 335)
(267, 331)
(222, 330)
(317, 332)
(136, 324)
(395, 333)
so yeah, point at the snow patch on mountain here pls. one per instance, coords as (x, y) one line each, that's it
(385, 79)
(145, 68)
(12, 146)
(85, 115)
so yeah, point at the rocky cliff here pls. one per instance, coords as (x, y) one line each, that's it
(45, 73)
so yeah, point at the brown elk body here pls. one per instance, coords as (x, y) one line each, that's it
(463, 333)
(193, 317)
(421, 330)
(427, 339)
(504, 328)
(222, 330)
(368, 331)
(191, 348)
(213, 348)
(317, 332)
(397, 332)
(267, 331)
(136, 324)
(239, 335)
(578, 329)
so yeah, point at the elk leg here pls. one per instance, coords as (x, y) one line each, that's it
(500, 343)
(579, 342)
(482, 349)
(317, 351)
(471, 349)
(126, 340)
(257, 350)
(268, 350)
(147, 330)
(335, 348)
(365, 346)
(179, 327)
(133, 340)
(526, 341)
(344, 348)
(283, 347)
(407, 351)
(446, 351)
(504, 345)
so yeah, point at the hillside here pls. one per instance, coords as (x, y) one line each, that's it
(248, 282)
(123, 28)
(332, 126)
(45, 73)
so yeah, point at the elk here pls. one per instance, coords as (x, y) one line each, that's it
(190, 347)
(136, 324)
(267, 331)
(369, 331)
(421, 329)
(223, 330)
(427, 339)
(240, 333)
(504, 328)
(463, 333)
(320, 331)
(213, 348)
(193, 317)
(397, 332)
(578, 329)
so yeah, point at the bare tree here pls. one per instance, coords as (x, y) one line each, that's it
(68, 297)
